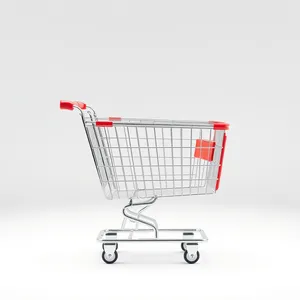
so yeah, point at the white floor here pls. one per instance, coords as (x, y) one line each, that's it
(52, 253)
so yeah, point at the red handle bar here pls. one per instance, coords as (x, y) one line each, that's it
(69, 105)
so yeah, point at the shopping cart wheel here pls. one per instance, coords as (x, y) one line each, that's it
(116, 246)
(109, 258)
(191, 258)
(183, 246)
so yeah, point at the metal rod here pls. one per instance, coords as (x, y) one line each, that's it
(147, 202)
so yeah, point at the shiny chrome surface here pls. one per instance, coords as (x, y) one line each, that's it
(199, 235)
(143, 160)
(146, 158)
(138, 217)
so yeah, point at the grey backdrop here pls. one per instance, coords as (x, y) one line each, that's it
(234, 61)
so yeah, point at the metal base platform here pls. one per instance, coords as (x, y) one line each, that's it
(164, 235)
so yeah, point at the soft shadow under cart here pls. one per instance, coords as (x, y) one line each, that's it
(144, 160)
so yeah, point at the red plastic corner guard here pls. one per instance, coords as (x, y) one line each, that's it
(69, 105)
(114, 119)
(104, 124)
(220, 125)
(221, 161)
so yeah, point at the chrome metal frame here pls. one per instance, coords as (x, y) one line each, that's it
(198, 235)
(154, 157)
(143, 160)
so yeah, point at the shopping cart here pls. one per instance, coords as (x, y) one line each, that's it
(145, 159)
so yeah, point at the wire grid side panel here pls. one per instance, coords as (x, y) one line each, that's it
(157, 161)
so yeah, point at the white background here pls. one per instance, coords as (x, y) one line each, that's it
(235, 61)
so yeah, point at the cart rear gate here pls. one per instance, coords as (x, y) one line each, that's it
(147, 159)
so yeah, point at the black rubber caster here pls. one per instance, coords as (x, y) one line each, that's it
(108, 258)
(191, 259)
(183, 246)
